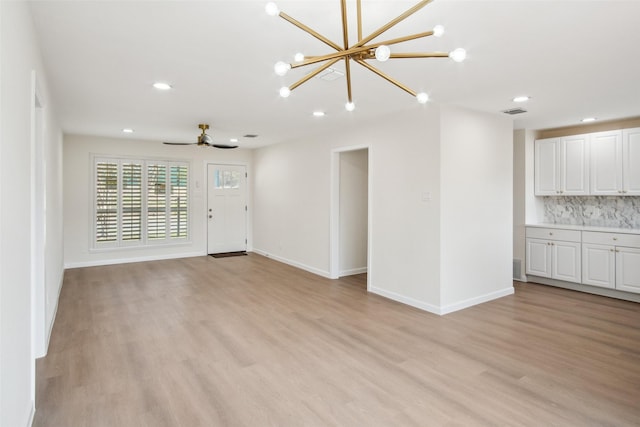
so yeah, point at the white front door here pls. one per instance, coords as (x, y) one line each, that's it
(226, 208)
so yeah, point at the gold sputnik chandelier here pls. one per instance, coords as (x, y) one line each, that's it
(361, 51)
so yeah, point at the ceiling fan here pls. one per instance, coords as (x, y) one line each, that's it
(204, 140)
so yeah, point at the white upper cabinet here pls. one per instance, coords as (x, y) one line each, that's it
(631, 161)
(561, 166)
(546, 163)
(606, 163)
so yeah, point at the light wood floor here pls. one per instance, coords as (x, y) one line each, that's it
(248, 341)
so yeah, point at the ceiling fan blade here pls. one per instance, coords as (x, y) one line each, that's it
(224, 146)
(179, 143)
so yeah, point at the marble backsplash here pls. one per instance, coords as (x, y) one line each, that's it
(593, 211)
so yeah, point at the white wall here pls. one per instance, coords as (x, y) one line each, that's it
(477, 207)
(292, 203)
(354, 183)
(19, 59)
(78, 202)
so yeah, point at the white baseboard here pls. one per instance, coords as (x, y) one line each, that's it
(406, 300)
(446, 309)
(477, 300)
(353, 271)
(293, 263)
(95, 263)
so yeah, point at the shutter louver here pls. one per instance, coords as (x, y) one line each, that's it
(156, 202)
(179, 193)
(131, 201)
(106, 202)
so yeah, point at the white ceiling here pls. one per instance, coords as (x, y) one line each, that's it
(574, 58)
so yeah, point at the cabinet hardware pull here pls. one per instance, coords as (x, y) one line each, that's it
(615, 238)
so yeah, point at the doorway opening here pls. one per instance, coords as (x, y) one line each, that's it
(351, 214)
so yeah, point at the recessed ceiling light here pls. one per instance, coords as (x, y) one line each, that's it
(318, 113)
(162, 86)
(127, 130)
(588, 119)
(522, 98)
(233, 140)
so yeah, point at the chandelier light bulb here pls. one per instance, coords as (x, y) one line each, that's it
(281, 68)
(438, 31)
(383, 53)
(299, 57)
(458, 55)
(422, 98)
(350, 106)
(272, 9)
(285, 92)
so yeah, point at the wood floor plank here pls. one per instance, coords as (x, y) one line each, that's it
(247, 341)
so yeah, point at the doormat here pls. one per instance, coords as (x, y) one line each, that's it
(228, 254)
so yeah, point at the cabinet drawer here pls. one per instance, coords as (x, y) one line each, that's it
(614, 239)
(553, 234)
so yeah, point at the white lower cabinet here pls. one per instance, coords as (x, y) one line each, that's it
(595, 258)
(611, 260)
(598, 267)
(553, 253)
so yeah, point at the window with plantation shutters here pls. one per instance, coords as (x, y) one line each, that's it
(140, 202)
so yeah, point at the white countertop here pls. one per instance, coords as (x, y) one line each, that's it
(587, 228)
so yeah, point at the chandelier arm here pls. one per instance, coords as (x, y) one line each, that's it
(310, 31)
(359, 12)
(340, 54)
(386, 77)
(393, 22)
(401, 39)
(347, 65)
(345, 32)
(313, 73)
(419, 55)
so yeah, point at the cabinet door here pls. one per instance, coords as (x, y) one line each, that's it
(565, 261)
(546, 167)
(631, 161)
(606, 163)
(574, 165)
(538, 258)
(598, 265)
(628, 269)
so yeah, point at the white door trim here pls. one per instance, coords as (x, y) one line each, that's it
(334, 218)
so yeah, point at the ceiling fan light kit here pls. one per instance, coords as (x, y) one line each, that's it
(361, 51)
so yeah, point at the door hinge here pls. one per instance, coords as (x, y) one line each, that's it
(245, 175)
(245, 241)
(245, 208)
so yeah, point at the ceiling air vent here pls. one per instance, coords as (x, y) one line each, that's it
(330, 74)
(513, 111)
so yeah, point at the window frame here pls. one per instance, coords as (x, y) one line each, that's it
(144, 241)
